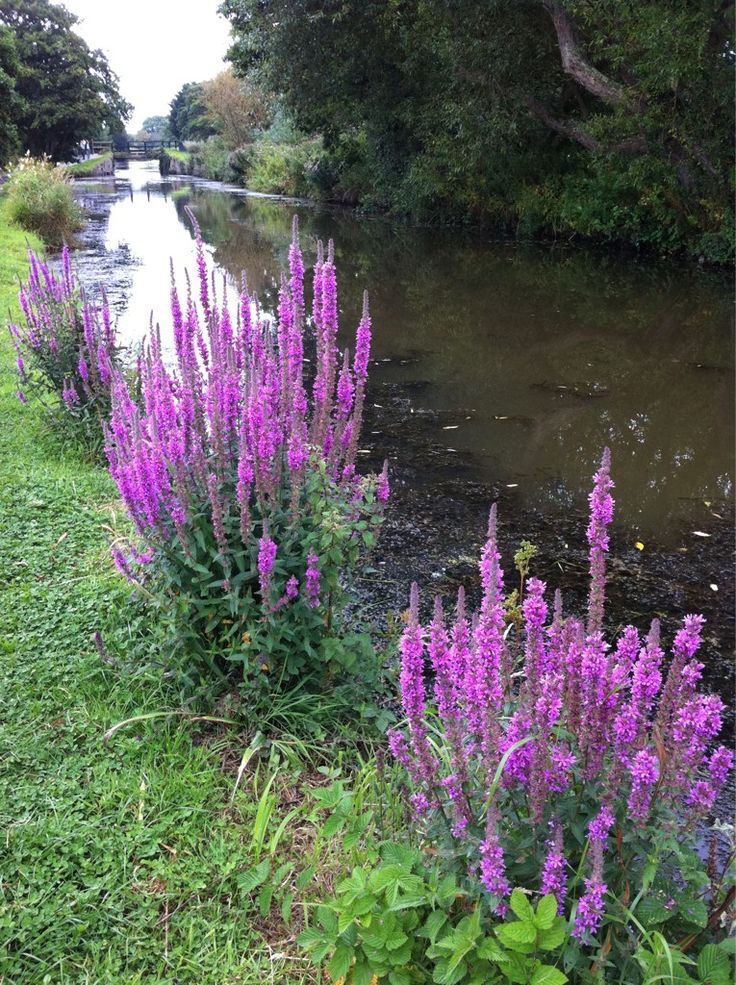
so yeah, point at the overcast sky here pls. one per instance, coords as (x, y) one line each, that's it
(155, 46)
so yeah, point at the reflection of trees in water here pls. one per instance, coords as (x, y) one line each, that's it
(493, 321)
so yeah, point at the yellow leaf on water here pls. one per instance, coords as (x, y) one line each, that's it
(639, 546)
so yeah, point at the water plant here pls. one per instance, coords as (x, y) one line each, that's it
(248, 511)
(65, 347)
(554, 761)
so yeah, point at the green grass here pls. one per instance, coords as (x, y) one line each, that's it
(120, 863)
(89, 167)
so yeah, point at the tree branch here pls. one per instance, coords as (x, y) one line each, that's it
(576, 65)
(566, 128)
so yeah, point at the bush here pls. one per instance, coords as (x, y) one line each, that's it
(275, 169)
(65, 348)
(248, 511)
(40, 200)
(553, 762)
(210, 160)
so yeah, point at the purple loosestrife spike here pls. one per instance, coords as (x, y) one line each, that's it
(296, 270)
(344, 391)
(412, 690)
(554, 873)
(492, 867)
(313, 580)
(676, 688)
(266, 560)
(644, 775)
(601, 516)
(590, 910)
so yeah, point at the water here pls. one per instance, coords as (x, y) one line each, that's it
(532, 358)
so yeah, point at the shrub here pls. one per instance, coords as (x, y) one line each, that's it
(40, 200)
(210, 159)
(247, 506)
(274, 169)
(65, 347)
(552, 761)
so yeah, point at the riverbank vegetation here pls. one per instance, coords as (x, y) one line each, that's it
(38, 198)
(201, 782)
(91, 167)
(538, 118)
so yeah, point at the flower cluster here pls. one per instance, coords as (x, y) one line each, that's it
(65, 346)
(237, 467)
(522, 725)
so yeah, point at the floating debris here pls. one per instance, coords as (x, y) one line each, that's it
(700, 533)
(639, 545)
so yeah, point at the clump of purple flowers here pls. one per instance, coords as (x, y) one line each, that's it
(554, 732)
(65, 345)
(237, 468)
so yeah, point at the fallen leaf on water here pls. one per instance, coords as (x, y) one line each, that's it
(700, 533)
(713, 586)
(450, 427)
(501, 417)
(512, 485)
(639, 546)
(707, 502)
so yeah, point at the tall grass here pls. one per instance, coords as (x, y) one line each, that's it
(39, 199)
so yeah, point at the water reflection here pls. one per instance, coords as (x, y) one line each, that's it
(537, 356)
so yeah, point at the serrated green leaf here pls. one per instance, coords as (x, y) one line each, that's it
(550, 940)
(514, 934)
(305, 877)
(362, 973)
(694, 912)
(546, 974)
(341, 961)
(433, 925)
(714, 968)
(250, 880)
(444, 976)
(546, 912)
(521, 906)
(490, 951)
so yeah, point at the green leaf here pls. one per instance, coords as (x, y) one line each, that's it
(714, 968)
(362, 973)
(264, 899)
(546, 974)
(546, 912)
(398, 977)
(443, 975)
(521, 906)
(305, 877)
(433, 925)
(341, 961)
(490, 951)
(252, 878)
(694, 912)
(285, 908)
(513, 934)
(550, 940)
(651, 911)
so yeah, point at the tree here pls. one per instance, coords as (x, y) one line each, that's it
(611, 119)
(235, 106)
(67, 91)
(188, 118)
(9, 100)
(155, 128)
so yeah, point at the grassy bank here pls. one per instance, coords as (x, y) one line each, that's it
(86, 169)
(125, 862)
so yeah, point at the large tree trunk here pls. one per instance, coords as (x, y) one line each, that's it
(574, 62)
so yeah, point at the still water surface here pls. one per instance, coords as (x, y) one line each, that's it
(534, 357)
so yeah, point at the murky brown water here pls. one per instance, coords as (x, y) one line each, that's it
(536, 357)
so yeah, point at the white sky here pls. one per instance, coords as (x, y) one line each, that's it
(155, 46)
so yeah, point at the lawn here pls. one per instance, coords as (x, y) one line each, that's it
(84, 169)
(126, 862)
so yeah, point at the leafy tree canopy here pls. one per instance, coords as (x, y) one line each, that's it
(155, 128)
(9, 99)
(610, 119)
(67, 92)
(188, 117)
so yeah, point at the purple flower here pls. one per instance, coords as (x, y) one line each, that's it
(590, 910)
(601, 516)
(554, 873)
(644, 775)
(266, 561)
(312, 580)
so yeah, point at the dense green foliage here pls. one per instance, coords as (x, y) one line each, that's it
(188, 117)
(9, 99)
(65, 92)
(39, 199)
(609, 120)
